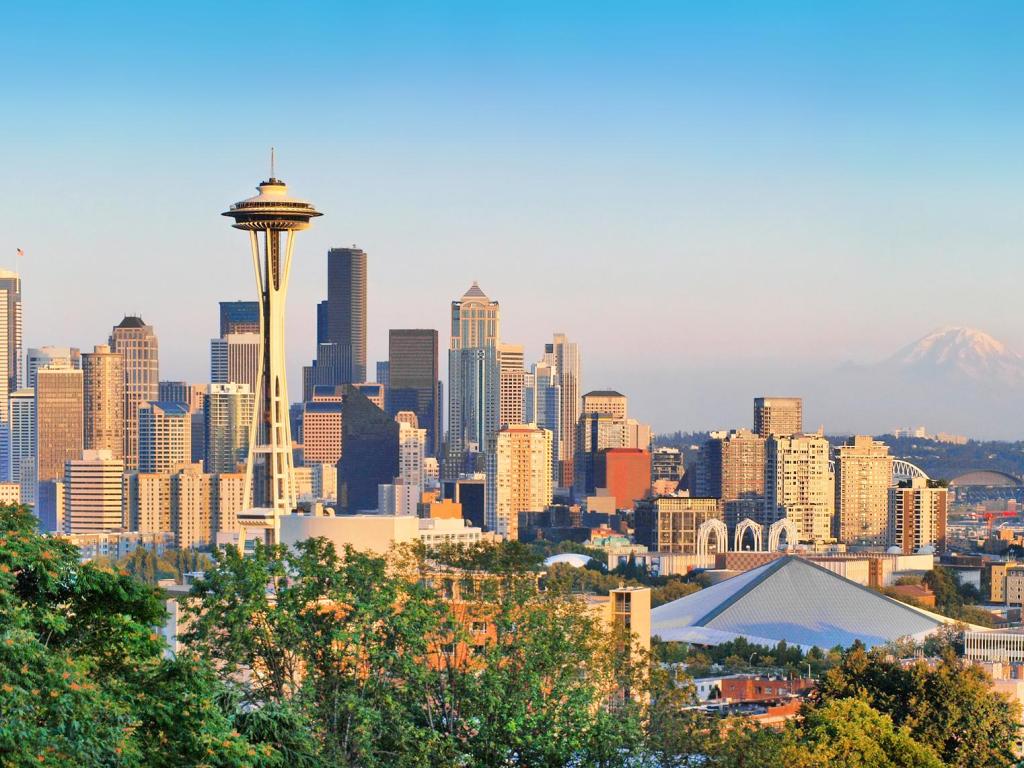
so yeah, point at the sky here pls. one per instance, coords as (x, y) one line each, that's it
(692, 190)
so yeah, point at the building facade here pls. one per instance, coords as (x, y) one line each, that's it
(511, 372)
(519, 477)
(103, 388)
(164, 436)
(59, 429)
(670, 523)
(93, 495)
(137, 344)
(413, 383)
(799, 485)
(917, 516)
(780, 416)
(227, 412)
(863, 477)
(235, 359)
(564, 356)
(346, 310)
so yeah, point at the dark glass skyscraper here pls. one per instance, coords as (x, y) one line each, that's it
(346, 310)
(239, 317)
(412, 380)
(369, 452)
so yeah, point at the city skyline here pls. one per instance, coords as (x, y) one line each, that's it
(892, 170)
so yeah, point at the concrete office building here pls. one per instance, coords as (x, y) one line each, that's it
(863, 476)
(519, 477)
(411, 450)
(412, 384)
(603, 424)
(733, 469)
(917, 516)
(59, 404)
(93, 495)
(322, 419)
(607, 402)
(670, 523)
(103, 388)
(474, 386)
(229, 488)
(625, 474)
(140, 353)
(799, 485)
(542, 405)
(23, 443)
(781, 416)
(147, 501)
(164, 436)
(239, 317)
(192, 505)
(511, 372)
(564, 356)
(667, 464)
(235, 359)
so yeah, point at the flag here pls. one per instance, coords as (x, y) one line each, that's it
(21, 252)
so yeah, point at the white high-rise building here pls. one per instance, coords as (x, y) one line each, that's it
(235, 358)
(518, 478)
(93, 495)
(799, 484)
(23, 443)
(412, 443)
(164, 437)
(511, 364)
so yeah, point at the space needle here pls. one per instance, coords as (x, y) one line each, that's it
(269, 471)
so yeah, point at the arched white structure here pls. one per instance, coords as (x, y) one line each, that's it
(721, 534)
(904, 470)
(775, 531)
(741, 528)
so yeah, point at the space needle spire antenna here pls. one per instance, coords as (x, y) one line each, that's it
(269, 217)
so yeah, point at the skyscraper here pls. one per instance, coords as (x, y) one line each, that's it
(474, 385)
(564, 355)
(917, 516)
(321, 425)
(103, 385)
(235, 358)
(604, 423)
(10, 331)
(863, 477)
(38, 357)
(137, 344)
(511, 366)
(735, 465)
(346, 310)
(413, 380)
(93, 492)
(369, 452)
(542, 405)
(239, 317)
(518, 477)
(411, 444)
(782, 416)
(270, 213)
(59, 405)
(228, 411)
(799, 485)
(23, 443)
(165, 436)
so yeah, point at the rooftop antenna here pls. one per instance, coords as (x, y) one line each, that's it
(271, 162)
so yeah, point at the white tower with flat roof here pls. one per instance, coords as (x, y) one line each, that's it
(269, 470)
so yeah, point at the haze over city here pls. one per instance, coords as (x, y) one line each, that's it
(766, 193)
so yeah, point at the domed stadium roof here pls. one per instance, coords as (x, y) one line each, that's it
(574, 559)
(987, 478)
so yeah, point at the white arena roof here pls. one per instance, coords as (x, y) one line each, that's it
(795, 600)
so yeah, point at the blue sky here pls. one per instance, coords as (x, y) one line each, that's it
(683, 187)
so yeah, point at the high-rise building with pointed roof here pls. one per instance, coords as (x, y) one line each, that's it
(474, 382)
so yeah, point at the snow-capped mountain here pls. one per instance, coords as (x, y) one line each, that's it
(964, 352)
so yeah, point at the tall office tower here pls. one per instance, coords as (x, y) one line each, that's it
(239, 317)
(40, 357)
(173, 391)
(10, 330)
(411, 446)
(782, 416)
(734, 462)
(511, 367)
(321, 322)
(230, 498)
(542, 405)
(346, 310)
(192, 507)
(273, 213)
(917, 516)
(799, 485)
(518, 477)
(863, 476)
(103, 388)
(564, 355)
(369, 453)
(667, 464)
(325, 370)
(413, 380)
(321, 425)
(137, 344)
(59, 404)
(235, 359)
(165, 436)
(93, 494)
(606, 401)
(23, 443)
(147, 501)
(228, 417)
(383, 373)
(474, 385)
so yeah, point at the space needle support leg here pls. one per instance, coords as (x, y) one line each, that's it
(254, 421)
